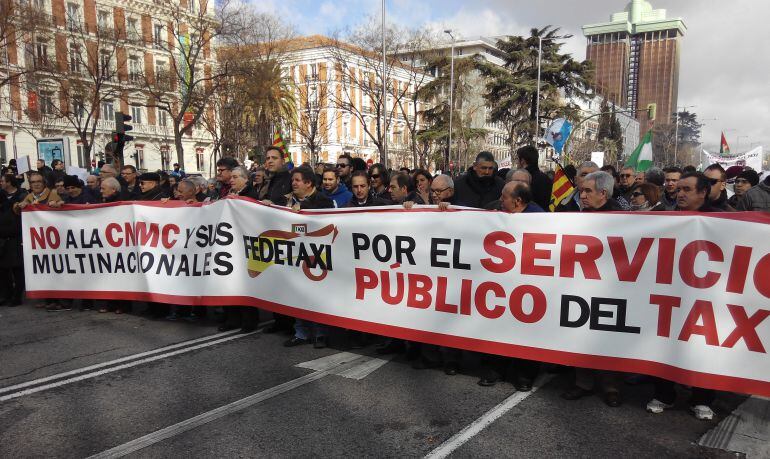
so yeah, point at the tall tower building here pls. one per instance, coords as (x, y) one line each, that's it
(636, 56)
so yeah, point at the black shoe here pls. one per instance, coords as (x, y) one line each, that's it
(613, 399)
(575, 392)
(320, 342)
(226, 327)
(489, 378)
(523, 385)
(296, 342)
(450, 369)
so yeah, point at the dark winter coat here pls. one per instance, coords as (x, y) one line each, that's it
(10, 238)
(371, 201)
(279, 187)
(316, 200)
(474, 191)
(155, 194)
(541, 186)
(757, 198)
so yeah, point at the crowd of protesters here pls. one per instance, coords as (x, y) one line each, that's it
(351, 183)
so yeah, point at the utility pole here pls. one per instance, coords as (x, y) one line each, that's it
(384, 157)
(451, 99)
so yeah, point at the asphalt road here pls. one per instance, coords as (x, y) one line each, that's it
(76, 384)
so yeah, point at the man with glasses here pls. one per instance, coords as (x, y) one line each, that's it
(479, 186)
(744, 181)
(129, 174)
(345, 169)
(627, 180)
(573, 203)
(671, 177)
(718, 194)
(224, 170)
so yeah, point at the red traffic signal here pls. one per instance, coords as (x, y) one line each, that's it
(121, 121)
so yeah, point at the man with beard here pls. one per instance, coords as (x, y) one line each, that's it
(671, 177)
(280, 179)
(224, 166)
(479, 186)
(345, 168)
(541, 185)
(334, 189)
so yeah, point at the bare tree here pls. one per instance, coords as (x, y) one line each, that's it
(313, 122)
(357, 59)
(183, 87)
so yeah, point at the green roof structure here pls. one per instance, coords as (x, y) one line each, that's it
(638, 17)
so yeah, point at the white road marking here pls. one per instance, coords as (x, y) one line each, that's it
(472, 429)
(361, 371)
(746, 430)
(120, 367)
(111, 362)
(334, 364)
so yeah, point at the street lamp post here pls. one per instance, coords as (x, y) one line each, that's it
(537, 103)
(384, 158)
(451, 97)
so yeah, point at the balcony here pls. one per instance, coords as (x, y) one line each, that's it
(310, 79)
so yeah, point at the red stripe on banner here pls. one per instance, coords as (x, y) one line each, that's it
(754, 217)
(669, 372)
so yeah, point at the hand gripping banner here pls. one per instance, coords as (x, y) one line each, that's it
(681, 296)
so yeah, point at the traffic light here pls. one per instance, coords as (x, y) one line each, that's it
(119, 137)
(651, 111)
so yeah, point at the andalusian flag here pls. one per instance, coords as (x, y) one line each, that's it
(562, 188)
(641, 158)
(278, 142)
(724, 149)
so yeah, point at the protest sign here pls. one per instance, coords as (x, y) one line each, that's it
(682, 296)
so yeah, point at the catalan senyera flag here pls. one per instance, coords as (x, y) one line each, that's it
(724, 149)
(562, 188)
(278, 142)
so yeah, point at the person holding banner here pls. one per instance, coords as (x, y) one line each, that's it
(479, 186)
(305, 196)
(280, 179)
(671, 177)
(362, 196)
(572, 203)
(596, 196)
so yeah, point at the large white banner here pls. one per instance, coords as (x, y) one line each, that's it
(752, 159)
(681, 296)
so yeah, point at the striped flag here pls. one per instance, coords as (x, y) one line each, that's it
(562, 188)
(641, 158)
(281, 145)
(724, 148)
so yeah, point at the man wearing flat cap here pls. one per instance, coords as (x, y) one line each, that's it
(149, 183)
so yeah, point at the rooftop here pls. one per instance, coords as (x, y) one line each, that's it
(638, 17)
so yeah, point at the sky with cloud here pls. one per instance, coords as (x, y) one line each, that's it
(725, 65)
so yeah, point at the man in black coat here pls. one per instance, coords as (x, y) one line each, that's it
(280, 178)
(541, 185)
(479, 186)
(362, 196)
(305, 196)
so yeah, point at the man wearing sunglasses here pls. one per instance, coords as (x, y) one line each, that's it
(717, 197)
(345, 170)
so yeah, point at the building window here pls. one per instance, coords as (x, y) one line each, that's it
(3, 153)
(164, 157)
(108, 110)
(132, 29)
(104, 20)
(193, 6)
(40, 54)
(73, 17)
(134, 69)
(136, 114)
(74, 58)
(162, 118)
(158, 35)
(78, 109)
(105, 65)
(199, 159)
(46, 102)
(139, 152)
